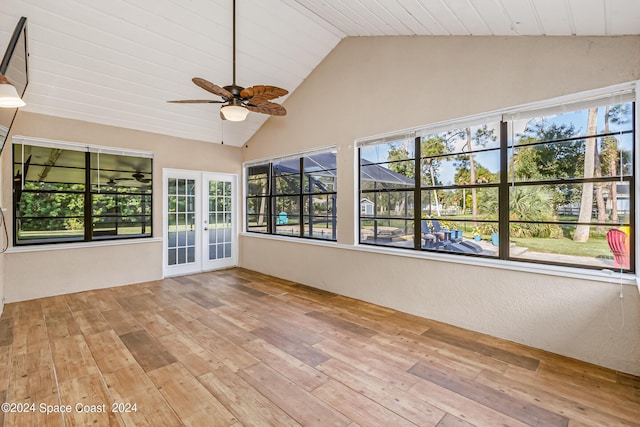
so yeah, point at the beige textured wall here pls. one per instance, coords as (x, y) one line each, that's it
(34, 274)
(368, 86)
(42, 273)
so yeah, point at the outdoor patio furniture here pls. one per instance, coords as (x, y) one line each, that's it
(618, 243)
(449, 234)
(282, 219)
(468, 247)
(438, 238)
(433, 240)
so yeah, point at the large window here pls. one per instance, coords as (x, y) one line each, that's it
(67, 193)
(553, 185)
(293, 196)
(388, 192)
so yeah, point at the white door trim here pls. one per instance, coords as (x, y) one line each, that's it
(199, 265)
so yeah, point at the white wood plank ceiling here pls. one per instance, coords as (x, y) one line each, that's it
(116, 62)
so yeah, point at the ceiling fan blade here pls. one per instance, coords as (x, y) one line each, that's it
(139, 176)
(258, 100)
(266, 92)
(270, 108)
(213, 88)
(196, 101)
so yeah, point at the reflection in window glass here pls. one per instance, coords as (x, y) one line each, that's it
(121, 195)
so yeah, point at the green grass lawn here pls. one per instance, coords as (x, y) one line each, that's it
(595, 247)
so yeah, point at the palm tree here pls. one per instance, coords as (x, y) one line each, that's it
(586, 203)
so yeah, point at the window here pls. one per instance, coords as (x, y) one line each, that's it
(293, 196)
(546, 185)
(68, 193)
(387, 193)
(570, 180)
(460, 187)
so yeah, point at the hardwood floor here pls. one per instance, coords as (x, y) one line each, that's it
(236, 347)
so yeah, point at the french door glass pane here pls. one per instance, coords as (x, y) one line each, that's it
(219, 219)
(181, 214)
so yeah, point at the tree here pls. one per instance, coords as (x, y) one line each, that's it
(431, 148)
(396, 158)
(400, 161)
(525, 204)
(463, 177)
(609, 157)
(586, 203)
(600, 205)
(610, 153)
(555, 160)
(480, 138)
(436, 147)
(533, 161)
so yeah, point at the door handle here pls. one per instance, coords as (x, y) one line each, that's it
(206, 228)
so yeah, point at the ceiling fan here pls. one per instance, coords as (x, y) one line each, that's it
(237, 100)
(135, 177)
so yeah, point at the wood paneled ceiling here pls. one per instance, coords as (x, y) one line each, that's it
(116, 62)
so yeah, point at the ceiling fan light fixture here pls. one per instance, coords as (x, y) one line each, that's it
(239, 101)
(234, 113)
(9, 97)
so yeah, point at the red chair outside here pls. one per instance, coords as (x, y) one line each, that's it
(617, 240)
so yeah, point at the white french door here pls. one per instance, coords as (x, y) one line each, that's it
(200, 231)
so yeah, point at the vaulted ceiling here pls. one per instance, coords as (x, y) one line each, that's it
(117, 62)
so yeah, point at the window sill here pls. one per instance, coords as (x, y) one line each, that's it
(77, 245)
(520, 266)
(283, 238)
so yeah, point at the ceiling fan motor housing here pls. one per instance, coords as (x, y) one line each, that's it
(235, 90)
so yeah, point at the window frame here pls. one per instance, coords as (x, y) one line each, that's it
(89, 233)
(274, 194)
(505, 117)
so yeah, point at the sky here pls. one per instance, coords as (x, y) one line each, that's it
(491, 159)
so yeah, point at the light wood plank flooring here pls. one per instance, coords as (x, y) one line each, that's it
(235, 347)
